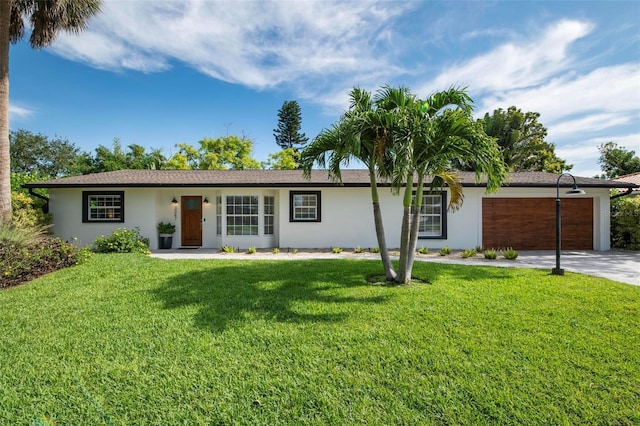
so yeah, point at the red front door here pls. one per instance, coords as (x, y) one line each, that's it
(191, 230)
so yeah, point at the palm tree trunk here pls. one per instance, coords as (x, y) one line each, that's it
(5, 166)
(415, 224)
(377, 218)
(404, 233)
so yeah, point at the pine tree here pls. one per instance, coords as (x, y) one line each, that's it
(288, 132)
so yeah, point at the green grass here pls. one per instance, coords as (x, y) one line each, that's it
(127, 339)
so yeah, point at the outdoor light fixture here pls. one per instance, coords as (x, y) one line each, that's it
(206, 200)
(174, 201)
(574, 191)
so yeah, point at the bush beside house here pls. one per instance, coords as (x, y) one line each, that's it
(625, 223)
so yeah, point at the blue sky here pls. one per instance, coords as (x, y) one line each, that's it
(159, 73)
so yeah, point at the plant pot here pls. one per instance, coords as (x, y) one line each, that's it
(165, 241)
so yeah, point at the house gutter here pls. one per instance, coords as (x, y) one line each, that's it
(624, 194)
(42, 197)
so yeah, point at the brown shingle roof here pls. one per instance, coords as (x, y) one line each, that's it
(283, 178)
(630, 178)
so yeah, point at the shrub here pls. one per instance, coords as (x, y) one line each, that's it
(375, 250)
(276, 250)
(490, 254)
(295, 251)
(336, 250)
(26, 213)
(358, 249)
(423, 250)
(228, 249)
(446, 250)
(468, 253)
(122, 240)
(252, 250)
(27, 253)
(510, 254)
(625, 223)
(479, 249)
(166, 228)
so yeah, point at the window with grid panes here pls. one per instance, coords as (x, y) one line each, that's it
(103, 206)
(269, 209)
(242, 215)
(304, 206)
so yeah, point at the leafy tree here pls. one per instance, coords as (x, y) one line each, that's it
(400, 137)
(521, 138)
(287, 159)
(617, 160)
(226, 152)
(116, 158)
(288, 132)
(46, 18)
(36, 153)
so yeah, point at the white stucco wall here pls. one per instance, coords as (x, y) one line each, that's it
(347, 217)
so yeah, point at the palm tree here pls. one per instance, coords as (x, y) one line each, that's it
(362, 133)
(47, 18)
(430, 136)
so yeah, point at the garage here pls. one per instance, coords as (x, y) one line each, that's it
(530, 223)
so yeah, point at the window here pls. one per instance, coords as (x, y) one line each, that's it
(242, 215)
(218, 215)
(433, 218)
(102, 206)
(269, 208)
(304, 206)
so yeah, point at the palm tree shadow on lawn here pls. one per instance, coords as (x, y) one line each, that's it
(297, 291)
(276, 291)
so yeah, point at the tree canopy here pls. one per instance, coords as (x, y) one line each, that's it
(617, 160)
(226, 152)
(521, 138)
(287, 133)
(33, 153)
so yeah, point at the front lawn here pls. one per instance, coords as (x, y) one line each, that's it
(127, 339)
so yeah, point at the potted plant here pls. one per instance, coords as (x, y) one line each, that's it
(165, 235)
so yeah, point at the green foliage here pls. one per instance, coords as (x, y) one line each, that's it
(287, 133)
(166, 228)
(188, 342)
(252, 250)
(295, 251)
(375, 250)
(136, 157)
(617, 160)
(625, 223)
(423, 250)
(479, 249)
(522, 142)
(336, 250)
(27, 253)
(122, 240)
(228, 249)
(36, 154)
(468, 253)
(276, 250)
(444, 251)
(26, 213)
(223, 153)
(490, 254)
(358, 249)
(287, 159)
(509, 253)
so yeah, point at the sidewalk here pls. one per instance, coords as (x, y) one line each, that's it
(622, 266)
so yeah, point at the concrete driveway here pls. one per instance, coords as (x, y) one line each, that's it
(622, 266)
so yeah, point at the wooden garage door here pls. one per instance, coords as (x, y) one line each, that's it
(530, 223)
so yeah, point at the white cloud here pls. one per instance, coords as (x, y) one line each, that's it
(257, 44)
(519, 64)
(17, 112)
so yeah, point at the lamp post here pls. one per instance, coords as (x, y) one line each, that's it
(574, 191)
